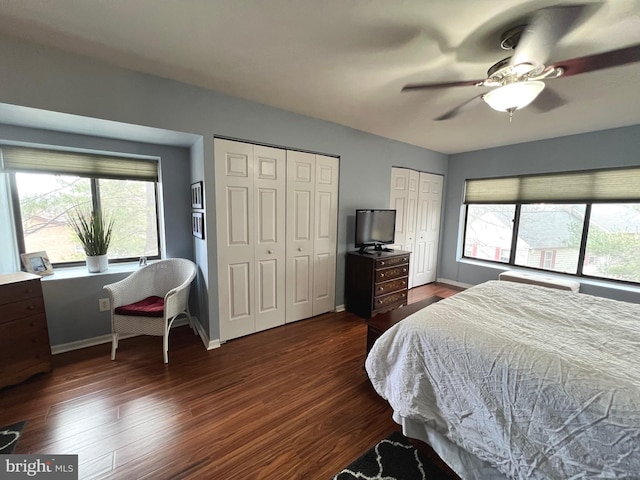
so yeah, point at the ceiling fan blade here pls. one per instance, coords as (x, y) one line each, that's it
(429, 86)
(548, 100)
(540, 37)
(455, 111)
(600, 61)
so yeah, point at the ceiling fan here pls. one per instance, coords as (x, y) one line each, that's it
(519, 79)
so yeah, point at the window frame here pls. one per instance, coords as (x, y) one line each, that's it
(95, 201)
(515, 228)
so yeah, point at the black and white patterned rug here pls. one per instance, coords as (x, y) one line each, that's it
(9, 436)
(393, 458)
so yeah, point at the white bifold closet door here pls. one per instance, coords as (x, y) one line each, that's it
(312, 210)
(276, 217)
(250, 219)
(404, 200)
(417, 198)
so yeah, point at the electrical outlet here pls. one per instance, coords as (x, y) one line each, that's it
(104, 304)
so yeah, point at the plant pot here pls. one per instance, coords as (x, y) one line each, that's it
(97, 264)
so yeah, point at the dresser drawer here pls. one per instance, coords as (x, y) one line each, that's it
(391, 273)
(27, 337)
(392, 286)
(392, 299)
(21, 309)
(392, 261)
(13, 292)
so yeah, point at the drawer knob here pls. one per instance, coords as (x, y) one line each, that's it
(404, 270)
(30, 307)
(379, 301)
(382, 263)
(381, 275)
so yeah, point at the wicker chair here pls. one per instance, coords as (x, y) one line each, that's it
(149, 300)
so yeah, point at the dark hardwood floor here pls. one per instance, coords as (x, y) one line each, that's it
(293, 402)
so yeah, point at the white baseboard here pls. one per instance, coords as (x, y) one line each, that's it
(208, 344)
(339, 308)
(91, 342)
(454, 283)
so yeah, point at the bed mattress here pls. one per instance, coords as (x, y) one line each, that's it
(536, 382)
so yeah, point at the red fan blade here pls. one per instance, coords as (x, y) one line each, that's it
(600, 61)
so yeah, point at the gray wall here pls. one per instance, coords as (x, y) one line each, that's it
(42, 78)
(609, 148)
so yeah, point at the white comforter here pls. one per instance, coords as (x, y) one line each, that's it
(538, 382)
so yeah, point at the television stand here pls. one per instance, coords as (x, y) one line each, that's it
(376, 248)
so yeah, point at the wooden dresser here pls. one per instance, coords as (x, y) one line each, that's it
(24, 338)
(376, 282)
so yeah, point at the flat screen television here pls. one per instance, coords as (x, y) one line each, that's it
(375, 228)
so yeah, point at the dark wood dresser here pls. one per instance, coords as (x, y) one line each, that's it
(24, 338)
(376, 282)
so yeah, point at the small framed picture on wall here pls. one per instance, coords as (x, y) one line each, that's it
(197, 224)
(196, 195)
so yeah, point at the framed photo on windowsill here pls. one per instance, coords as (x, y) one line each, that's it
(37, 262)
(197, 224)
(196, 195)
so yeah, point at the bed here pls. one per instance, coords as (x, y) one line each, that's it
(509, 380)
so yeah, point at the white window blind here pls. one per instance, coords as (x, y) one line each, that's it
(611, 185)
(38, 160)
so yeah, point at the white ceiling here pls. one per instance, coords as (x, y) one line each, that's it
(346, 60)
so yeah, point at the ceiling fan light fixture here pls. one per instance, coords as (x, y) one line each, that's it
(513, 96)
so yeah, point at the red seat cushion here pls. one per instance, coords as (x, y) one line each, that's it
(148, 307)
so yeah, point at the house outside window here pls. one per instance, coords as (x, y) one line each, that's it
(547, 261)
(548, 233)
(45, 200)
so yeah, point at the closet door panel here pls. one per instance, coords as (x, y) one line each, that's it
(239, 291)
(398, 202)
(325, 233)
(428, 229)
(234, 221)
(268, 302)
(269, 214)
(299, 244)
(404, 199)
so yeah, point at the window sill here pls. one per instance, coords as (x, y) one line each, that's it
(586, 281)
(65, 273)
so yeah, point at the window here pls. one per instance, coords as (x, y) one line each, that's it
(46, 198)
(547, 236)
(580, 223)
(614, 242)
(489, 232)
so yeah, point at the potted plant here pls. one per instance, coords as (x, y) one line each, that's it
(94, 232)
